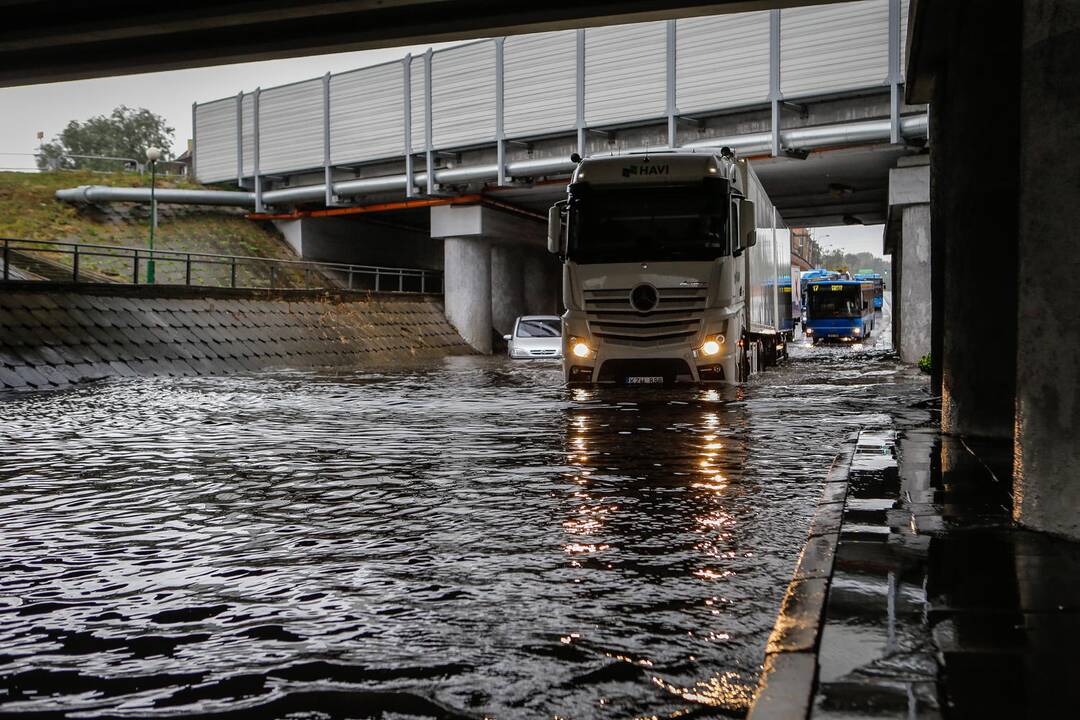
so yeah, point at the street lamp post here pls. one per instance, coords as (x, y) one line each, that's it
(153, 154)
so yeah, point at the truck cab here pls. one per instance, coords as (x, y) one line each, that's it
(656, 269)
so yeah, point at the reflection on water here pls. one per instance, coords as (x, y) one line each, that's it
(467, 539)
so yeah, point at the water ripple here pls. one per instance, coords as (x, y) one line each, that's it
(461, 540)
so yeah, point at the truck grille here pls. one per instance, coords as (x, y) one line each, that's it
(676, 317)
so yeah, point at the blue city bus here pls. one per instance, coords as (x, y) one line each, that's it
(879, 286)
(810, 276)
(839, 310)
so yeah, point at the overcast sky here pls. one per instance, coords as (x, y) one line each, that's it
(851, 238)
(48, 108)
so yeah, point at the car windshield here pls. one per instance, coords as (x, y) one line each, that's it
(834, 301)
(539, 327)
(635, 224)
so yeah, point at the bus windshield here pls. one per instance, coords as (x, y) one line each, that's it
(834, 301)
(637, 224)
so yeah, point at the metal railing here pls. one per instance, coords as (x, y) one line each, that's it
(53, 261)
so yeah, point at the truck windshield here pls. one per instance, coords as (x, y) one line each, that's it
(834, 301)
(636, 224)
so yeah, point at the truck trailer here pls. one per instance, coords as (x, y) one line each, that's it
(672, 267)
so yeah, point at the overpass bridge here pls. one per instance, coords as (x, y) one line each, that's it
(503, 115)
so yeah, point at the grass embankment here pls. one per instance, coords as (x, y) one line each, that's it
(29, 210)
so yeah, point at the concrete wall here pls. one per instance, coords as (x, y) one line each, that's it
(52, 337)
(1047, 444)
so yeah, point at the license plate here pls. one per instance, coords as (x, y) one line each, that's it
(645, 380)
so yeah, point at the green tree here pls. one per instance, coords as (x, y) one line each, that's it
(124, 133)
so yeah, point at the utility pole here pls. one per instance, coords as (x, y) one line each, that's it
(153, 154)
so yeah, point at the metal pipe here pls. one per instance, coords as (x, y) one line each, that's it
(99, 193)
(796, 138)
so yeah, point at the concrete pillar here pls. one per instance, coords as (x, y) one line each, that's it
(470, 231)
(907, 239)
(1047, 449)
(980, 131)
(896, 288)
(467, 289)
(914, 297)
(507, 286)
(543, 284)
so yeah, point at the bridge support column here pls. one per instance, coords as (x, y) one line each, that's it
(467, 289)
(907, 239)
(976, 218)
(1047, 451)
(507, 287)
(543, 284)
(484, 279)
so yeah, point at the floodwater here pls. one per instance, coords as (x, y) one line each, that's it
(467, 539)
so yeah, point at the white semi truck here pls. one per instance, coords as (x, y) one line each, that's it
(671, 270)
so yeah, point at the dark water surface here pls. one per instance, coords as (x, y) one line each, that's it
(465, 539)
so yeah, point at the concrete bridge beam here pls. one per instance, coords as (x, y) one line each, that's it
(485, 254)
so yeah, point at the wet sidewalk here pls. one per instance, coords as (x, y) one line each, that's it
(938, 605)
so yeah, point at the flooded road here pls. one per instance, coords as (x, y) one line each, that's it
(464, 539)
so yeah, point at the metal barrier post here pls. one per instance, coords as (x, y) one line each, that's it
(423, 281)
(135, 273)
(7, 259)
(273, 282)
(350, 277)
(187, 269)
(232, 273)
(774, 79)
(400, 280)
(306, 272)
(376, 279)
(75, 264)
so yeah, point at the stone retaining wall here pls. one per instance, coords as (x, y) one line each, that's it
(58, 335)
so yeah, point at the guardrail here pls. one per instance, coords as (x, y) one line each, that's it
(53, 261)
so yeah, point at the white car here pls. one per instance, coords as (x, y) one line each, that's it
(536, 336)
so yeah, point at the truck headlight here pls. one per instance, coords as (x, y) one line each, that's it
(579, 348)
(712, 345)
(856, 331)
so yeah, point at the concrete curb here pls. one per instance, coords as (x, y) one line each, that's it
(786, 688)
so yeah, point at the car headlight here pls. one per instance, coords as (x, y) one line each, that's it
(809, 331)
(579, 348)
(856, 331)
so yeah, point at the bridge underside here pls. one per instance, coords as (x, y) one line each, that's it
(813, 183)
(51, 40)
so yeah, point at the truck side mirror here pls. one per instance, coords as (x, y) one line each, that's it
(747, 224)
(554, 230)
(734, 224)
